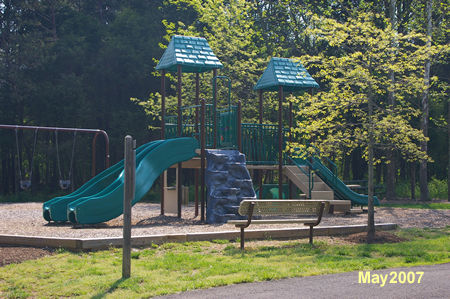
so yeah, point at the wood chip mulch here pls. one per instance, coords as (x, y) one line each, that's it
(18, 254)
(380, 238)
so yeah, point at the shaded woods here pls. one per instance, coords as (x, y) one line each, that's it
(78, 63)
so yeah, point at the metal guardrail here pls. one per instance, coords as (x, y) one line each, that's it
(260, 143)
(226, 122)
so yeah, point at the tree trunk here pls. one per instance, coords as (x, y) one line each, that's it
(423, 174)
(413, 180)
(448, 151)
(370, 208)
(391, 166)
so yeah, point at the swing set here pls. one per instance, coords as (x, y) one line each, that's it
(25, 176)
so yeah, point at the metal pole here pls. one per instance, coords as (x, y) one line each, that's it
(197, 99)
(239, 126)
(214, 108)
(163, 132)
(280, 142)
(128, 196)
(202, 160)
(290, 140)
(179, 133)
(260, 172)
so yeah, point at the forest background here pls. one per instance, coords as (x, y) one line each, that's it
(91, 64)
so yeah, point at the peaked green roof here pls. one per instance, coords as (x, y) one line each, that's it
(287, 73)
(192, 53)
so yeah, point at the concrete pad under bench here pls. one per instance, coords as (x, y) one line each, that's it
(143, 241)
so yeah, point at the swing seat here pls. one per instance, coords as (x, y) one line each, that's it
(25, 184)
(64, 184)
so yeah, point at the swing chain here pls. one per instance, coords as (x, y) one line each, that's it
(64, 184)
(25, 184)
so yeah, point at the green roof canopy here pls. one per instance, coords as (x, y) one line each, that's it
(192, 53)
(287, 73)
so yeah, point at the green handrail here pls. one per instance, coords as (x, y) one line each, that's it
(309, 174)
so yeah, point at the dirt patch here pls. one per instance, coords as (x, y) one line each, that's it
(380, 238)
(18, 254)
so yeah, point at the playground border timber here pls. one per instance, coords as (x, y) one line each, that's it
(138, 241)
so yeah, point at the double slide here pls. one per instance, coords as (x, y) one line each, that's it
(101, 198)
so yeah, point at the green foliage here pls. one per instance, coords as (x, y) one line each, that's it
(437, 189)
(336, 118)
(230, 31)
(174, 267)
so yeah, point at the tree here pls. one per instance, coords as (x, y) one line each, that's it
(423, 174)
(351, 110)
(228, 26)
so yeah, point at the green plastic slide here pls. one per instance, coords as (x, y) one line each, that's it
(340, 189)
(56, 208)
(102, 199)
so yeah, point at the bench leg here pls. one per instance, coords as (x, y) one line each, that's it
(310, 234)
(242, 238)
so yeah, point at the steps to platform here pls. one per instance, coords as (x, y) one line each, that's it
(320, 190)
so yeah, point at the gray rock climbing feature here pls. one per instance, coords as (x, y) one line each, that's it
(228, 182)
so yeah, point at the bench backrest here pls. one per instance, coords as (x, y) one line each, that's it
(278, 207)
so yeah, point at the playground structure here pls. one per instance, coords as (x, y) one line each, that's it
(64, 183)
(195, 131)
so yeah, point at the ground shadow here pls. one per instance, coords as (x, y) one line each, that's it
(111, 289)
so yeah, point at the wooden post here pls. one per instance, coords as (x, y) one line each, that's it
(179, 133)
(280, 142)
(202, 160)
(129, 188)
(163, 132)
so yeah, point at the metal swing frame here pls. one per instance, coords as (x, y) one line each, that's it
(96, 133)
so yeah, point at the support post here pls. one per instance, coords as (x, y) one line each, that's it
(280, 142)
(129, 188)
(197, 99)
(260, 172)
(179, 133)
(242, 238)
(202, 159)
(290, 140)
(163, 132)
(239, 126)
(214, 108)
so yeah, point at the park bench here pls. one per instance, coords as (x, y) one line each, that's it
(308, 212)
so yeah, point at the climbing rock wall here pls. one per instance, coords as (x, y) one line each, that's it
(228, 182)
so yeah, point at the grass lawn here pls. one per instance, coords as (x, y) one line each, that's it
(434, 206)
(176, 267)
